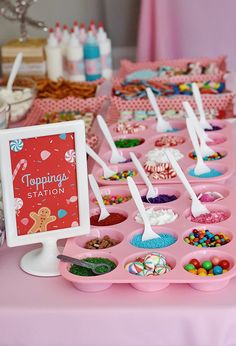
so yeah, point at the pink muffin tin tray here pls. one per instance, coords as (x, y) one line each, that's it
(177, 255)
(226, 165)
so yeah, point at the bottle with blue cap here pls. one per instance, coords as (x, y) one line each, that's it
(92, 58)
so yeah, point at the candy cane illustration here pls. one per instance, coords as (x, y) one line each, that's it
(22, 163)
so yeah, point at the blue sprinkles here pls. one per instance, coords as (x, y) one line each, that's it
(157, 243)
(173, 130)
(211, 174)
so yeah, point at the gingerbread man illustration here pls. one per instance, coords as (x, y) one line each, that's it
(41, 220)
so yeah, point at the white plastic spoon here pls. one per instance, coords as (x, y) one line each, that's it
(107, 172)
(200, 167)
(197, 208)
(162, 124)
(197, 125)
(14, 71)
(205, 149)
(116, 157)
(152, 192)
(198, 99)
(96, 191)
(148, 233)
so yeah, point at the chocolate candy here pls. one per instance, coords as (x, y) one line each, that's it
(216, 156)
(189, 266)
(217, 270)
(114, 199)
(205, 238)
(112, 219)
(196, 263)
(101, 243)
(208, 267)
(123, 175)
(224, 264)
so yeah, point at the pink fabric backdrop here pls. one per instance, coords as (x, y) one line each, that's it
(180, 28)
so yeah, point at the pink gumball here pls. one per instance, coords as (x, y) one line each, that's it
(215, 260)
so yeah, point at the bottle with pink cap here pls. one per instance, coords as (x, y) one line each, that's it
(92, 27)
(82, 34)
(105, 51)
(58, 32)
(75, 63)
(54, 57)
(63, 46)
(76, 29)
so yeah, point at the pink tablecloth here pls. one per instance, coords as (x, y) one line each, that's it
(180, 28)
(51, 312)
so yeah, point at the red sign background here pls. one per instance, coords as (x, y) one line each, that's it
(44, 183)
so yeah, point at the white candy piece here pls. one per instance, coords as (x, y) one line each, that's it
(158, 217)
(159, 156)
(20, 101)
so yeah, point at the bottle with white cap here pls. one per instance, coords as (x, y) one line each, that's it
(105, 51)
(75, 62)
(54, 57)
(63, 45)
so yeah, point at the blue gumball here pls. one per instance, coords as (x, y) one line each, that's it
(217, 270)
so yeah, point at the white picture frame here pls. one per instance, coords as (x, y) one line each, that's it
(39, 131)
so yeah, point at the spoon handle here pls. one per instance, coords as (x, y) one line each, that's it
(97, 193)
(76, 261)
(142, 173)
(93, 266)
(138, 201)
(96, 158)
(14, 70)
(180, 174)
(194, 140)
(106, 132)
(198, 99)
(200, 132)
(154, 104)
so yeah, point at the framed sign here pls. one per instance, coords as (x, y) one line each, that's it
(44, 182)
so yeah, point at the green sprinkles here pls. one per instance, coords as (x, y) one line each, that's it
(82, 271)
(128, 143)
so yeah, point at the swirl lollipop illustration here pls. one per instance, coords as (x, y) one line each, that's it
(70, 156)
(18, 205)
(16, 145)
